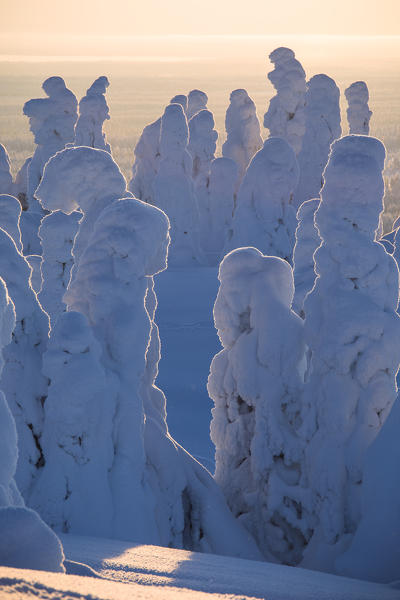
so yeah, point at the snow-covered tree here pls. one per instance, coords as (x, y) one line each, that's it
(307, 241)
(202, 145)
(10, 212)
(197, 101)
(242, 129)
(285, 116)
(173, 186)
(35, 279)
(322, 127)
(21, 184)
(358, 113)
(81, 178)
(145, 167)
(93, 111)
(353, 332)
(255, 382)
(264, 217)
(57, 233)
(6, 181)
(182, 100)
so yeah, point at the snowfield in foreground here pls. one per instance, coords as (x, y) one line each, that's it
(138, 571)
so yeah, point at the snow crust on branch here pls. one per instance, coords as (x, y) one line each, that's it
(6, 181)
(358, 113)
(10, 213)
(93, 111)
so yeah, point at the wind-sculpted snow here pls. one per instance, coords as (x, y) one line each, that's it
(285, 116)
(243, 131)
(173, 187)
(196, 101)
(352, 330)
(202, 145)
(81, 178)
(358, 113)
(21, 184)
(322, 127)
(93, 111)
(57, 233)
(264, 217)
(145, 167)
(255, 384)
(10, 213)
(307, 241)
(6, 181)
(182, 100)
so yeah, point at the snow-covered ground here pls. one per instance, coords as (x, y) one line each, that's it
(129, 571)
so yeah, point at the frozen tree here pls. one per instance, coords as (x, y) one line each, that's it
(242, 129)
(353, 331)
(145, 167)
(24, 385)
(21, 184)
(307, 241)
(10, 212)
(285, 116)
(322, 127)
(173, 186)
(6, 181)
(35, 279)
(255, 383)
(160, 494)
(57, 233)
(93, 111)
(197, 101)
(358, 113)
(265, 217)
(180, 99)
(52, 121)
(72, 493)
(202, 145)
(81, 178)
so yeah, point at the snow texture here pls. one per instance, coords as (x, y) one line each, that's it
(35, 280)
(322, 127)
(29, 225)
(307, 241)
(358, 113)
(21, 184)
(242, 130)
(10, 213)
(196, 101)
(6, 181)
(93, 111)
(146, 162)
(285, 116)
(352, 330)
(264, 217)
(255, 384)
(202, 145)
(182, 100)
(57, 233)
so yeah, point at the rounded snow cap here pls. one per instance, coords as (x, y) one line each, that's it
(180, 99)
(197, 100)
(99, 86)
(75, 176)
(276, 164)
(53, 85)
(281, 54)
(356, 152)
(174, 129)
(223, 169)
(357, 91)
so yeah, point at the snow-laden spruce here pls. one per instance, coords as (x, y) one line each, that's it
(21, 184)
(358, 112)
(10, 213)
(72, 493)
(285, 116)
(264, 217)
(173, 187)
(182, 100)
(242, 130)
(93, 111)
(160, 494)
(307, 241)
(216, 202)
(146, 162)
(255, 383)
(353, 332)
(57, 233)
(202, 145)
(196, 101)
(322, 127)
(22, 381)
(6, 180)
(82, 179)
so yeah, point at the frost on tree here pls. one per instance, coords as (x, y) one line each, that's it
(82, 179)
(182, 100)
(322, 127)
(35, 280)
(196, 101)
(242, 129)
(21, 184)
(358, 113)
(307, 241)
(353, 332)
(202, 145)
(255, 383)
(25, 541)
(57, 233)
(216, 202)
(22, 381)
(173, 187)
(285, 116)
(6, 181)
(10, 213)
(160, 494)
(72, 493)
(145, 167)
(264, 217)
(93, 111)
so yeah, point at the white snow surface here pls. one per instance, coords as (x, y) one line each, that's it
(285, 116)
(6, 181)
(93, 111)
(10, 212)
(196, 101)
(35, 280)
(202, 144)
(145, 166)
(358, 112)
